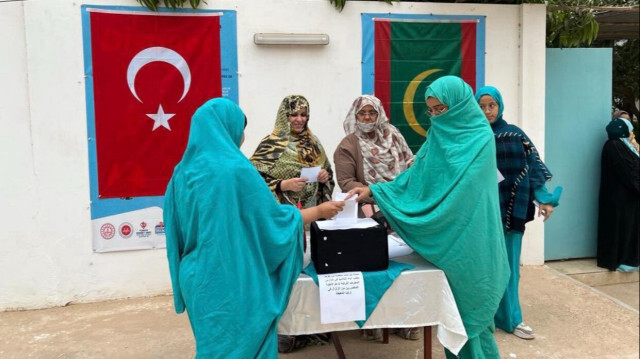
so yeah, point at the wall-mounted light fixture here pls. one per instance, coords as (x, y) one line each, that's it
(290, 39)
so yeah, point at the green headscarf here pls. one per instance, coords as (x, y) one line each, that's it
(234, 253)
(446, 206)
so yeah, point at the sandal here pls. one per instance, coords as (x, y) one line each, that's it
(289, 343)
(371, 334)
(409, 333)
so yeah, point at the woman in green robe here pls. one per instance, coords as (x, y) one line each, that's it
(446, 208)
(234, 253)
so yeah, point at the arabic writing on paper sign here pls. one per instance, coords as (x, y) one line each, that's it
(343, 283)
(341, 297)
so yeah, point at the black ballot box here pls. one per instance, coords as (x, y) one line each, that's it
(349, 250)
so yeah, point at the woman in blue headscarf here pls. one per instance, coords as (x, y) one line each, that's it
(524, 181)
(234, 253)
(445, 206)
(619, 207)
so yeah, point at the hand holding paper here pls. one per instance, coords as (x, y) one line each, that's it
(310, 173)
(359, 193)
(330, 209)
(350, 211)
(293, 184)
(323, 176)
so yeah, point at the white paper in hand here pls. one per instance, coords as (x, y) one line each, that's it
(349, 213)
(311, 173)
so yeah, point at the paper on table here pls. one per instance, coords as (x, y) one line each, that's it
(311, 173)
(359, 223)
(397, 247)
(341, 297)
(349, 213)
(500, 177)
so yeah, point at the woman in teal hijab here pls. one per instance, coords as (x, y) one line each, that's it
(446, 208)
(524, 177)
(234, 253)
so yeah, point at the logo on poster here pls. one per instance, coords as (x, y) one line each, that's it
(159, 229)
(125, 230)
(143, 232)
(107, 231)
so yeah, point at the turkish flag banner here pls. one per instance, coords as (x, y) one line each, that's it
(151, 71)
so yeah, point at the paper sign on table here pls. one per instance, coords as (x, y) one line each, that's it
(311, 173)
(341, 297)
(397, 247)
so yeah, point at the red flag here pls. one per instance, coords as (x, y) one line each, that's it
(150, 73)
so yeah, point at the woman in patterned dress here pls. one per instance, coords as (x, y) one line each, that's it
(290, 147)
(279, 159)
(373, 150)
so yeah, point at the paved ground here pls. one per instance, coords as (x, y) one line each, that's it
(571, 319)
(625, 292)
(622, 286)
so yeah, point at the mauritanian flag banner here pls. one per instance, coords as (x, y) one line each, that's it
(409, 54)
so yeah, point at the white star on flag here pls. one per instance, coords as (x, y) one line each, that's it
(161, 118)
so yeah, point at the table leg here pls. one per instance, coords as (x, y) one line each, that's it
(385, 336)
(427, 343)
(337, 345)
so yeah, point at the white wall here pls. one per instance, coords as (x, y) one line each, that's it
(47, 258)
(532, 104)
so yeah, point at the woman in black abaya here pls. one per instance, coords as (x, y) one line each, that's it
(618, 235)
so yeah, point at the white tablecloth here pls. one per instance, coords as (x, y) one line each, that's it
(418, 297)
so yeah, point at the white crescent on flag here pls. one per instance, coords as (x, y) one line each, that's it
(163, 54)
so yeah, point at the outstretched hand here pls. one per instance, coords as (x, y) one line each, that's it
(362, 192)
(330, 209)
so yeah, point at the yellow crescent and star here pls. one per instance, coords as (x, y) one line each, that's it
(409, 95)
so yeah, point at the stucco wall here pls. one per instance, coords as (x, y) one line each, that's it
(47, 257)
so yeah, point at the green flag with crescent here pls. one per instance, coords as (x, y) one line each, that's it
(412, 53)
